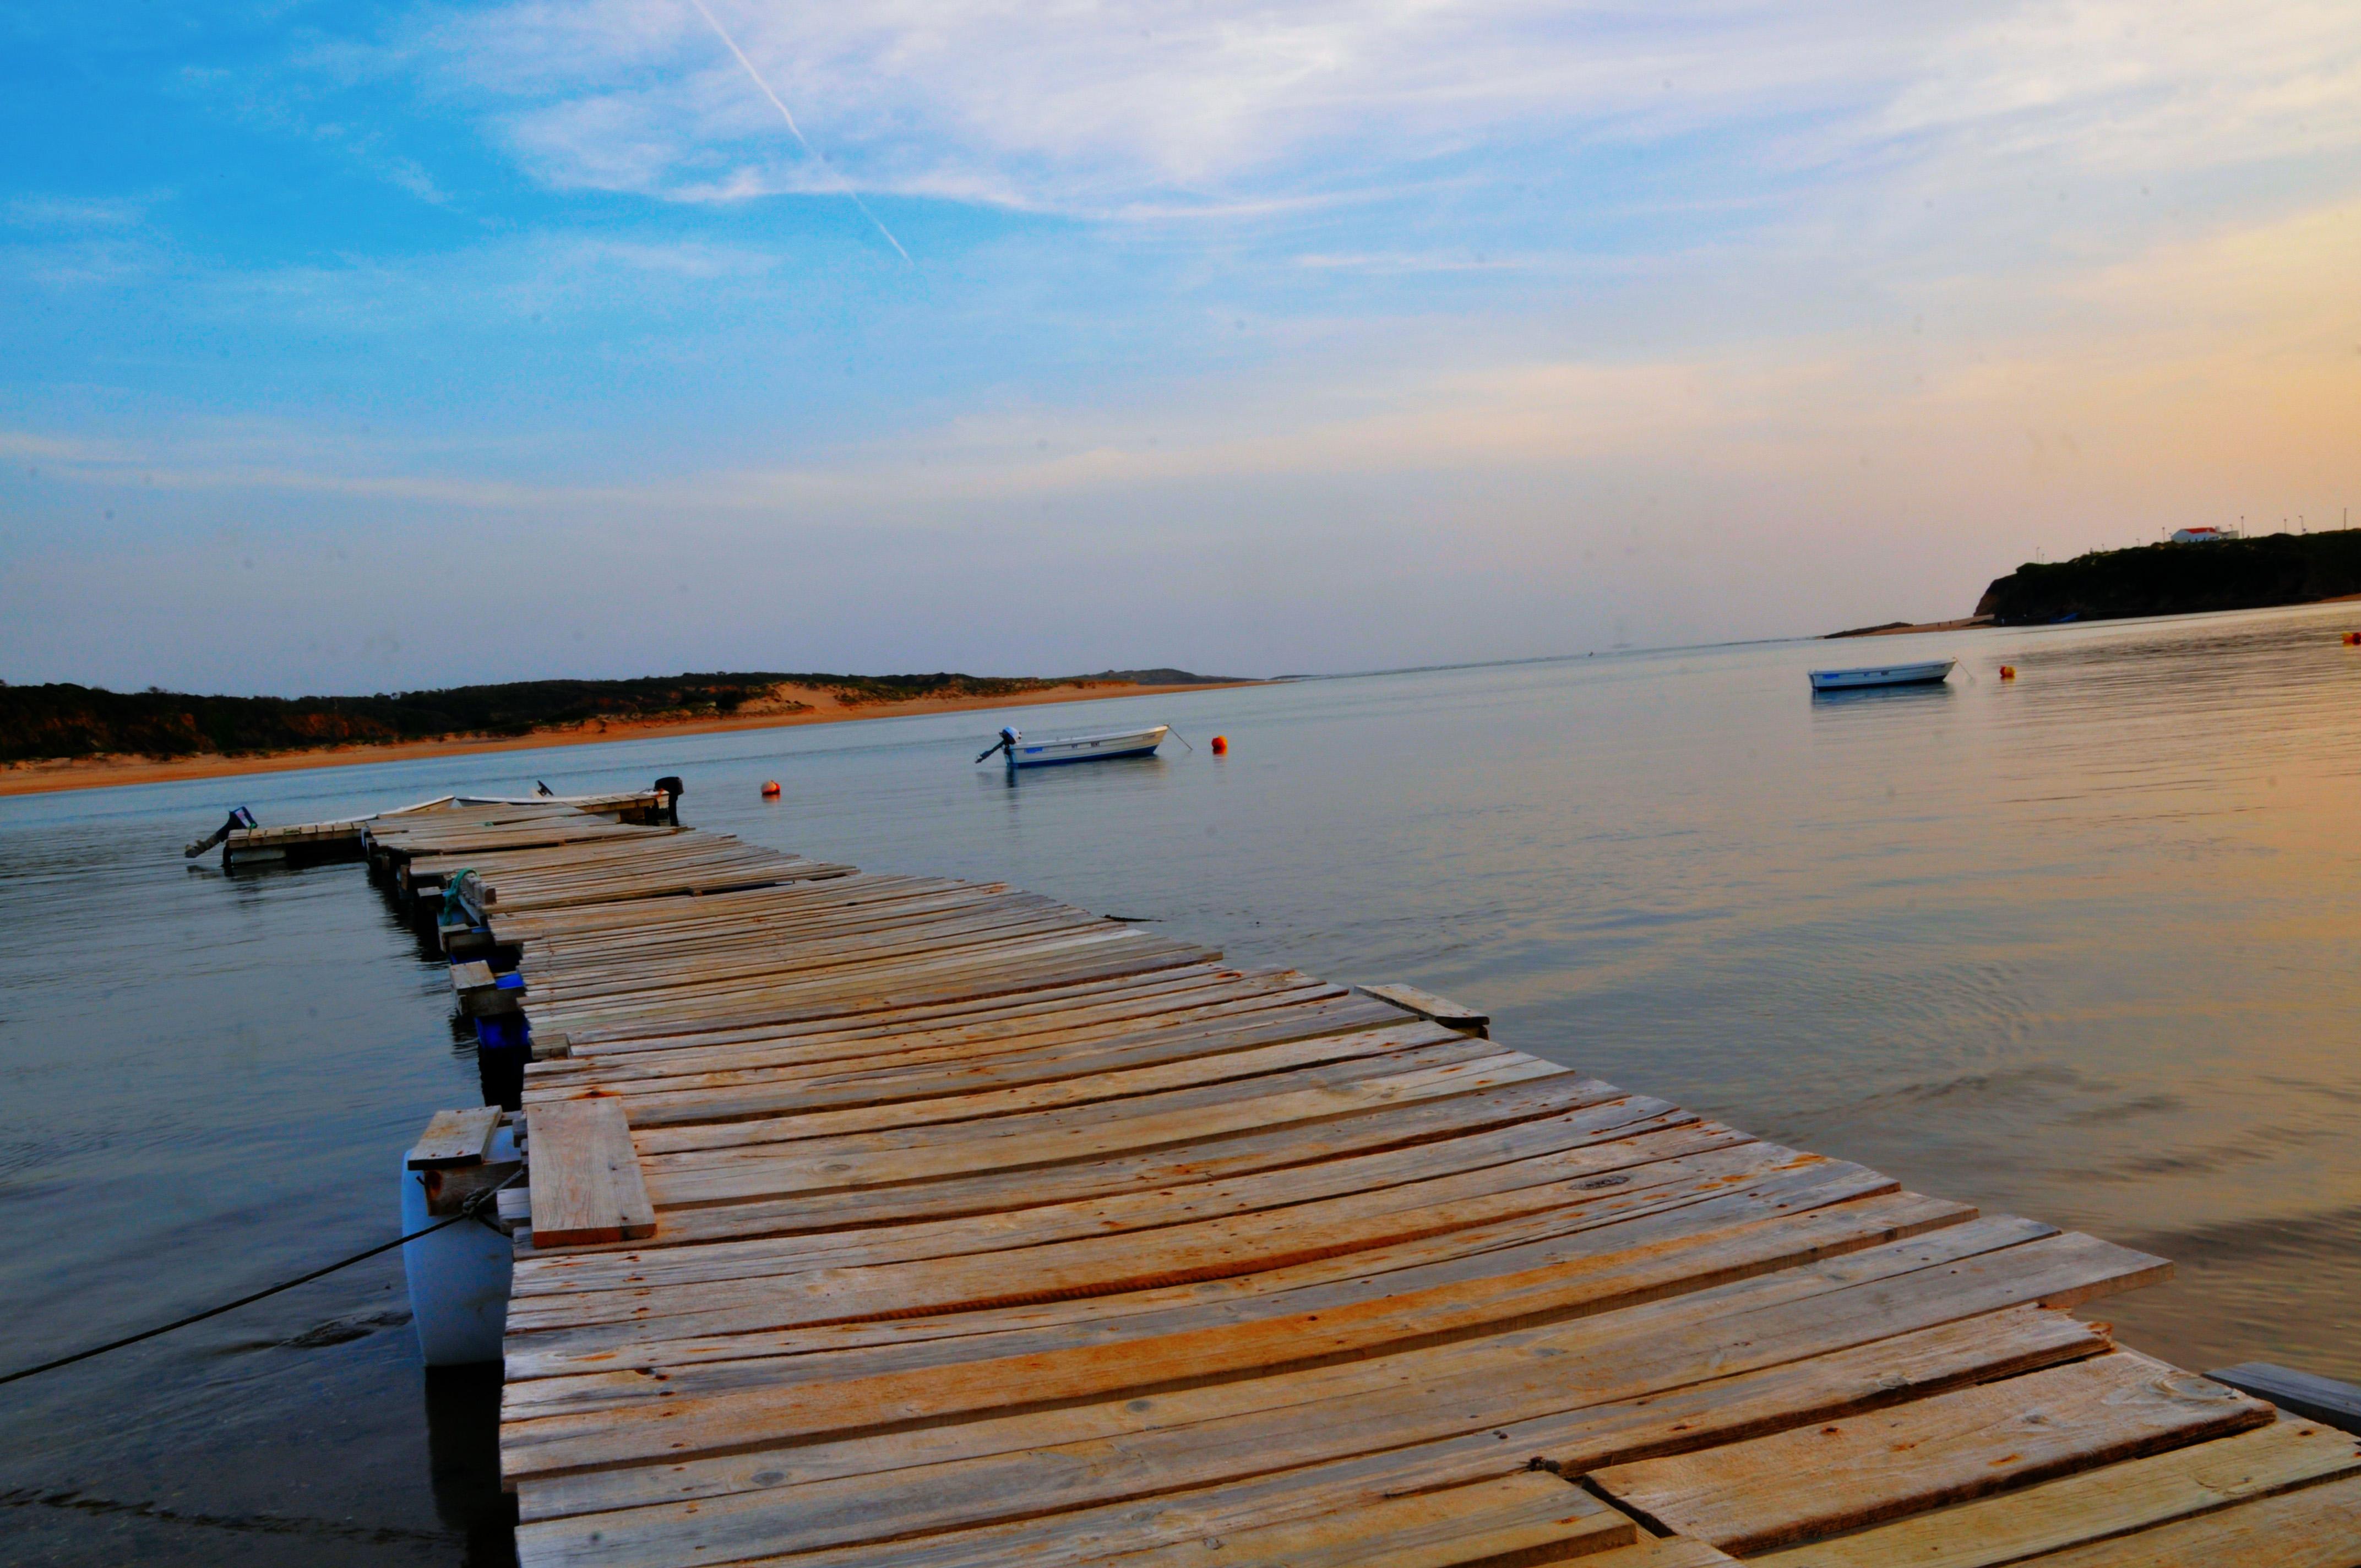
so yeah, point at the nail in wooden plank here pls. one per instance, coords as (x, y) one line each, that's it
(456, 1138)
(585, 1176)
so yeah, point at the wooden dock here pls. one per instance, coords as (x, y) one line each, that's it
(886, 1220)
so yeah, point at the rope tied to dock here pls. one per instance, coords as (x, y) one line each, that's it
(472, 1208)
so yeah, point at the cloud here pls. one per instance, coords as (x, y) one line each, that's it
(76, 213)
(1091, 108)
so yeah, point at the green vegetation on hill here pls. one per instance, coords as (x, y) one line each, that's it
(2180, 579)
(66, 721)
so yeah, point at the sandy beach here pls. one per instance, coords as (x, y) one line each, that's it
(789, 706)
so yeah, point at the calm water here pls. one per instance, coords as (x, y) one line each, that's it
(2082, 946)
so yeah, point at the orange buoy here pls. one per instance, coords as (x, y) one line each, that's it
(1221, 745)
(2352, 639)
(771, 789)
(2008, 672)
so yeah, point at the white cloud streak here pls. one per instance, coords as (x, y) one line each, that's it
(794, 129)
(1089, 108)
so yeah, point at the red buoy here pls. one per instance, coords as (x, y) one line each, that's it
(771, 789)
(1221, 745)
(2008, 672)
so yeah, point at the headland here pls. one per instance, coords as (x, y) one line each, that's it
(2180, 579)
(2216, 574)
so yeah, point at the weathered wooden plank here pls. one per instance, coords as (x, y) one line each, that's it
(922, 1072)
(1378, 1126)
(456, 1138)
(1250, 1241)
(1530, 1518)
(1200, 1436)
(1426, 1004)
(880, 1344)
(713, 1405)
(1617, 1134)
(2316, 1527)
(1037, 1138)
(583, 1176)
(2301, 1393)
(1666, 1551)
(729, 1119)
(2112, 1500)
(968, 1477)
(1746, 1497)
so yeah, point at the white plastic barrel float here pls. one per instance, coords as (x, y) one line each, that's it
(458, 1275)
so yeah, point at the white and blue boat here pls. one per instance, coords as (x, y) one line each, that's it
(1024, 753)
(1928, 673)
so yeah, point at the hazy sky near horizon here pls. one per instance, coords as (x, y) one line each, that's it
(382, 346)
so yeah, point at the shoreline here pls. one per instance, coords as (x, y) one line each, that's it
(107, 772)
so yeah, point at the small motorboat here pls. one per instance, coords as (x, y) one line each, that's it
(1024, 753)
(1931, 672)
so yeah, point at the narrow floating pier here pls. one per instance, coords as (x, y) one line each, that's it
(886, 1220)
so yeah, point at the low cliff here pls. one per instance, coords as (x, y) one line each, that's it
(2180, 579)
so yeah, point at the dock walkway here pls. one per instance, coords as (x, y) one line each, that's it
(886, 1220)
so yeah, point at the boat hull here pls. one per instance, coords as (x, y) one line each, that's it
(1086, 748)
(1928, 673)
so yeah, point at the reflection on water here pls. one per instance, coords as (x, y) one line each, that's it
(2080, 945)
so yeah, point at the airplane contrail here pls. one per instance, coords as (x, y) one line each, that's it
(795, 130)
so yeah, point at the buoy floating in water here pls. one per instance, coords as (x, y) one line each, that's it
(2008, 672)
(1221, 744)
(770, 789)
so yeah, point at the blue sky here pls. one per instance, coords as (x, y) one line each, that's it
(373, 347)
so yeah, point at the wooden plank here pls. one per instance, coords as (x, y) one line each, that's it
(1529, 1517)
(474, 975)
(1072, 1456)
(584, 1176)
(1666, 1551)
(1426, 1004)
(947, 1478)
(2300, 1393)
(1253, 1241)
(785, 1398)
(1383, 1126)
(754, 1358)
(731, 1119)
(2112, 1500)
(1619, 1133)
(2316, 1526)
(1746, 1497)
(456, 1138)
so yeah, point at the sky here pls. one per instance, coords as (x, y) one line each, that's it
(375, 348)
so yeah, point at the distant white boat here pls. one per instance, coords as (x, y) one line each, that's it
(1921, 674)
(1024, 753)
